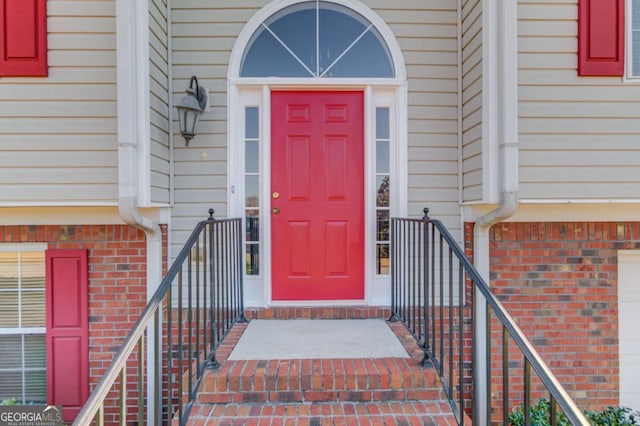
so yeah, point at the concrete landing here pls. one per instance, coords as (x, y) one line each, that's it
(318, 339)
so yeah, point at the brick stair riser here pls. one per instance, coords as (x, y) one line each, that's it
(383, 379)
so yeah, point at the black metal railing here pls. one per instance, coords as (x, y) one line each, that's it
(195, 306)
(435, 292)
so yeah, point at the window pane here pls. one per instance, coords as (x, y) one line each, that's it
(268, 58)
(382, 191)
(9, 309)
(35, 351)
(382, 123)
(339, 31)
(251, 191)
(8, 271)
(251, 157)
(333, 43)
(252, 123)
(11, 385)
(253, 259)
(382, 229)
(636, 15)
(382, 262)
(253, 225)
(33, 308)
(367, 58)
(35, 386)
(298, 32)
(382, 157)
(10, 352)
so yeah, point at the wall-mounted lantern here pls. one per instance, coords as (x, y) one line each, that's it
(190, 108)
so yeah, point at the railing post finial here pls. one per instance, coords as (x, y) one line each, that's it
(426, 213)
(211, 212)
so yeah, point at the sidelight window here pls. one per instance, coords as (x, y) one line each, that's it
(252, 190)
(383, 193)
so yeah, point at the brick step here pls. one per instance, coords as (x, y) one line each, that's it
(318, 312)
(332, 413)
(371, 391)
(305, 380)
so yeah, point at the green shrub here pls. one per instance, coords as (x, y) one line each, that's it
(610, 416)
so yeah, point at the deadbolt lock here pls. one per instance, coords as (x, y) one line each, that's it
(276, 195)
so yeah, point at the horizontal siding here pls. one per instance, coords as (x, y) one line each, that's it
(472, 188)
(58, 133)
(427, 34)
(159, 101)
(203, 34)
(576, 133)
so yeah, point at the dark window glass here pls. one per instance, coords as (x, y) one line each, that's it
(295, 40)
(382, 263)
(252, 123)
(382, 157)
(367, 58)
(251, 191)
(268, 58)
(252, 153)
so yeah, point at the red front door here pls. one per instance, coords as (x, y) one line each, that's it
(317, 203)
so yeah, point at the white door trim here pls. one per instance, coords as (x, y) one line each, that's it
(378, 92)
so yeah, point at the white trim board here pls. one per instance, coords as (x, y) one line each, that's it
(564, 212)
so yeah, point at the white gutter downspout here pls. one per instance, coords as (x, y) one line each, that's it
(133, 135)
(506, 50)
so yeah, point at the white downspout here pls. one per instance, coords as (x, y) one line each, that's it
(133, 134)
(507, 133)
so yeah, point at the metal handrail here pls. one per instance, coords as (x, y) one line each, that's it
(150, 319)
(533, 360)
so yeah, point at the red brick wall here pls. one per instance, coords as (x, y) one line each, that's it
(559, 281)
(117, 279)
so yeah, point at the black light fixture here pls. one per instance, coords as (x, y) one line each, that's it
(190, 108)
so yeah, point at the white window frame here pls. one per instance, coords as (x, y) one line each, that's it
(23, 331)
(629, 30)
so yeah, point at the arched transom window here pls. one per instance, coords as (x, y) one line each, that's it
(317, 39)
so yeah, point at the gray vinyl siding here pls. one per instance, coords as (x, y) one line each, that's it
(58, 133)
(578, 135)
(472, 182)
(203, 34)
(159, 101)
(427, 34)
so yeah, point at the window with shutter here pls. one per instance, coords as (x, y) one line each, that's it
(601, 37)
(22, 323)
(23, 38)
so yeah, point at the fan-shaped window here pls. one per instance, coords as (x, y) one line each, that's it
(317, 39)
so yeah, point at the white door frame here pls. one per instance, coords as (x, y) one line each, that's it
(256, 92)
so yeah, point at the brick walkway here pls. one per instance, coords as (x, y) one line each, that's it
(386, 391)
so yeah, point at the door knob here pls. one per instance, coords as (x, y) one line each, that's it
(275, 210)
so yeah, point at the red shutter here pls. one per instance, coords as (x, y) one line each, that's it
(23, 37)
(601, 37)
(67, 330)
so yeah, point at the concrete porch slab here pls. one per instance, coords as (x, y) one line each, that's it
(317, 339)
